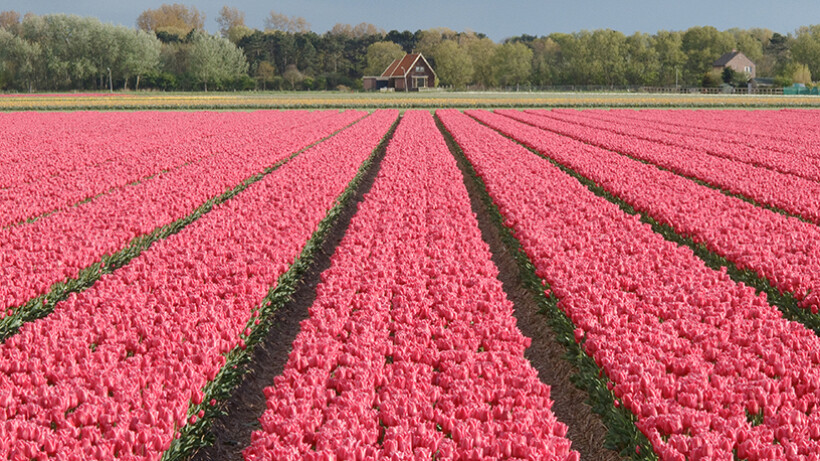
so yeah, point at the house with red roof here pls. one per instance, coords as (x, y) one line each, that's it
(409, 73)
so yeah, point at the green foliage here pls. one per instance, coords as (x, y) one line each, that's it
(62, 52)
(455, 65)
(740, 80)
(161, 80)
(776, 55)
(18, 59)
(215, 59)
(642, 63)
(802, 74)
(728, 75)
(703, 46)
(805, 48)
(783, 81)
(406, 40)
(711, 79)
(481, 51)
(265, 72)
(671, 58)
(546, 58)
(380, 55)
(512, 64)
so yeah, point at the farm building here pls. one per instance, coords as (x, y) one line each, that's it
(737, 61)
(410, 73)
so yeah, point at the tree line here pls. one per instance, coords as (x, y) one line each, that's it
(170, 50)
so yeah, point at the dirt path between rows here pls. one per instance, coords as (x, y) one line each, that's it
(586, 430)
(232, 432)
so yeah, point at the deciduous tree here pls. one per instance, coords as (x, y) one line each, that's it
(265, 72)
(229, 17)
(10, 20)
(454, 66)
(360, 30)
(512, 63)
(642, 63)
(546, 58)
(380, 55)
(481, 53)
(805, 49)
(802, 74)
(213, 59)
(18, 61)
(703, 46)
(671, 58)
(747, 43)
(139, 54)
(175, 19)
(281, 22)
(232, 24)
(293, 76)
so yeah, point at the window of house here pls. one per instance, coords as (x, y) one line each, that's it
(419, 68)
(747, 69)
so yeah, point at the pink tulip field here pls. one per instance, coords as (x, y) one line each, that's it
(411, 281)
(673, 256)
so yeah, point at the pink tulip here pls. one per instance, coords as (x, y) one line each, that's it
(648, 307)
(426, 352)
(781, 249)
(147, 338)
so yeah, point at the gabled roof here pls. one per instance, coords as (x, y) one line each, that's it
(391, 68)
(401, 67)
(723, 60)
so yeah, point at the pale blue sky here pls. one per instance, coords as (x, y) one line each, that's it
(497, 19)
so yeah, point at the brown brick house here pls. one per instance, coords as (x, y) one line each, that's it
(410, 73)
(737, 61)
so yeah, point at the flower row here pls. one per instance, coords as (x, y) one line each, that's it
(37, 145)
(80, 236)
(411, 349)
(787, 131)
(707, 367)
(798, 165)
(787, 192)
(112, 372)
(104, 160)
(784, 250)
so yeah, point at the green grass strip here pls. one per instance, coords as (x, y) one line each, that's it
(43, 305)
(622, 434)
(194, 436)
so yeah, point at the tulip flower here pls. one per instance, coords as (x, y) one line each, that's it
(433, 362)
(713, 348)
(142, 343)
